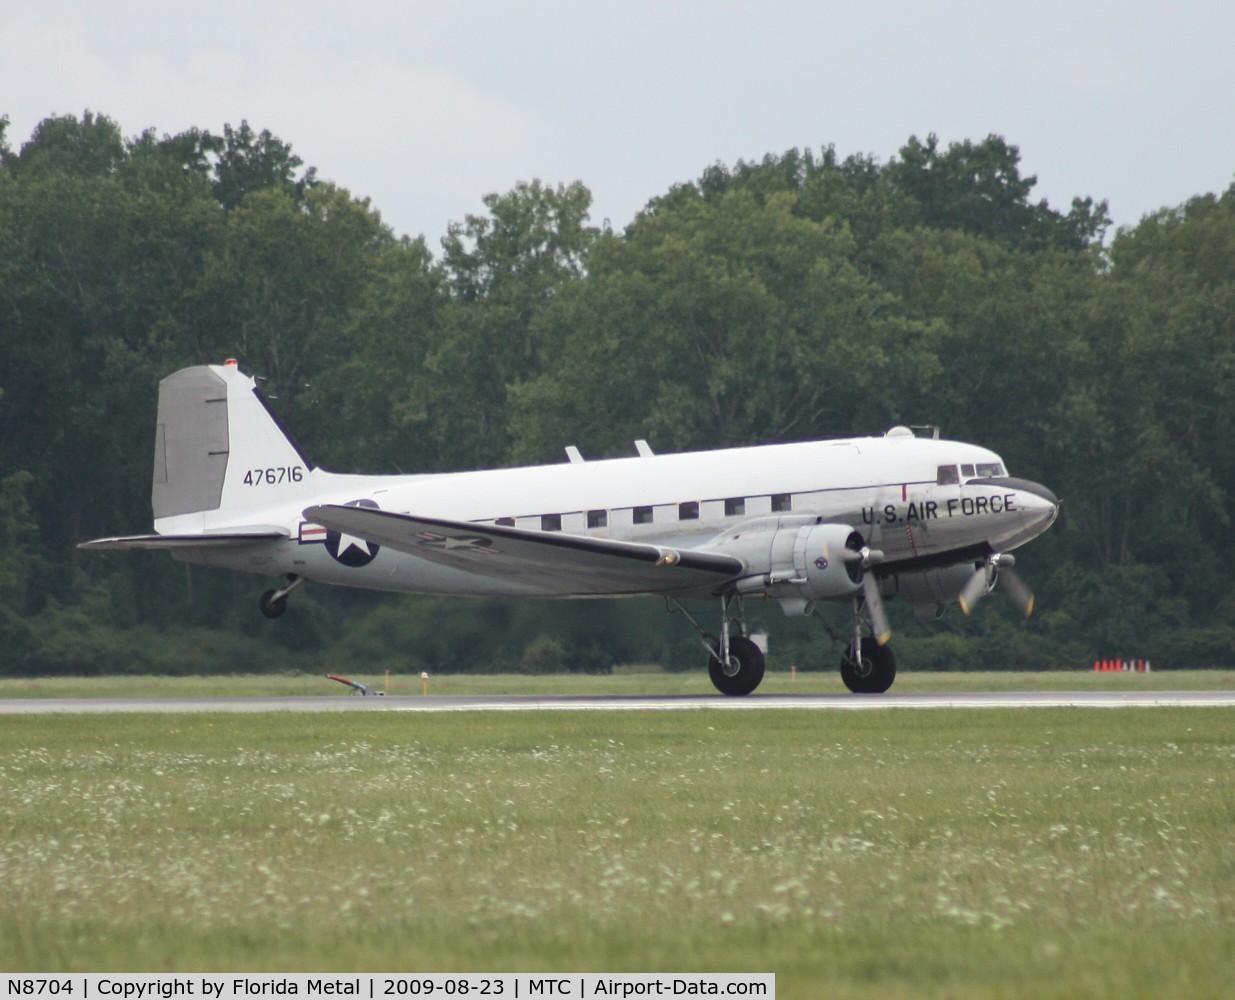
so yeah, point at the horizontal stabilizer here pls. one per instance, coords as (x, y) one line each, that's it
(549, 563)
(214, 540)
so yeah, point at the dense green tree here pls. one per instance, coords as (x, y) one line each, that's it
(978, 188)
(90, 146)
(95, 268)
(503, 270)
(103, 254)
(278, 286)
(246, 161)
(1158, 396)
(800, 295)
(377, 406)
(723, 320)
(20, 564)
(18, 532)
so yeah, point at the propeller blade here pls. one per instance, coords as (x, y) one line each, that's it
(973, 591)
(1018, 590)
(875, 609)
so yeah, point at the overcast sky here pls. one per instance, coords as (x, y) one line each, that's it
(425, 107)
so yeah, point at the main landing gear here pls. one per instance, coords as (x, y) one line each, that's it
(872, 671)
(274, 602)
(867, 665)
(736, 664)
(741, 671)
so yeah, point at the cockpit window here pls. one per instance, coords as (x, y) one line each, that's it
(947, 474)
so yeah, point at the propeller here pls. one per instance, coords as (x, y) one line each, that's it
(869, 557)
(996, 567)
(1018, 590)
(880, 627)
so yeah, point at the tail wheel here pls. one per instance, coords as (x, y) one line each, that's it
(272, 603)
(744, 671)
(873, 672)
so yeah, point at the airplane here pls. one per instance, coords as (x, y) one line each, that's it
(858, 520)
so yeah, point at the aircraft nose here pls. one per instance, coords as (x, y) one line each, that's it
(1038, 490)
(1036, 505)
(1039, 505)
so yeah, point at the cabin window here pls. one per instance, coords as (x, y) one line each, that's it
(643, 515)
(688, 511)
(505, 522)
(735, 506)
(550, 522)
(781, 502)
(597, 518)
(947, 476)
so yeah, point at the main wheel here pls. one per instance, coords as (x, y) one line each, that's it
(271, 606)
(873, 673)
(742, 674)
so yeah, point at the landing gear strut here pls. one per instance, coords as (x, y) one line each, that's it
(274, 602)
(867, 666)
(735, 663)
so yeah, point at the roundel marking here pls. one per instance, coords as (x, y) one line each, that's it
(351, 550)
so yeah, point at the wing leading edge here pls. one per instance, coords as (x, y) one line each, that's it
(553, 564)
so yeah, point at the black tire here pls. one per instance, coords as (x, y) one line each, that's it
(745, 671)
(874, 674)
(272, 607)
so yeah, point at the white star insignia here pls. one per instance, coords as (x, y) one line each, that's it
(464, 543)
(352, 542)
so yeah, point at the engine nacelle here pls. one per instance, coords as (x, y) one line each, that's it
(805, 561)
(931, 588)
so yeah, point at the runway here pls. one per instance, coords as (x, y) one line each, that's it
(622, 703)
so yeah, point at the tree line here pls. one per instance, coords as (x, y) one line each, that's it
(799, 296)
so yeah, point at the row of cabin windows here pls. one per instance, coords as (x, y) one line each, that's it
(687, 511)
(949, 475)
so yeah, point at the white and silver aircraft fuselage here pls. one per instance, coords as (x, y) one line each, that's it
(858, 520)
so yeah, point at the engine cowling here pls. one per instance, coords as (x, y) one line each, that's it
(821, 570)
(928, 590)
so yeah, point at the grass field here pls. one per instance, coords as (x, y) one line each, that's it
(1053, 853)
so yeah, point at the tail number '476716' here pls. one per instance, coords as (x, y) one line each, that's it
(274, 476)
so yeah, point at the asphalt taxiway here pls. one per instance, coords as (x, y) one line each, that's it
(621, 703)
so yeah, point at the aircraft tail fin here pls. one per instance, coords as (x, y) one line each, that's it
(218, 446)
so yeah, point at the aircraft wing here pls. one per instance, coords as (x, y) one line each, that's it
(215, 540)
(554, 564)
